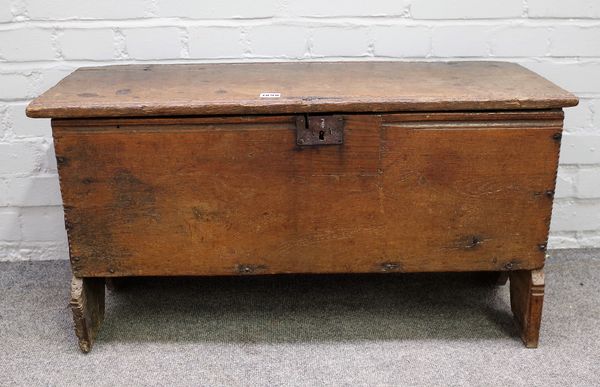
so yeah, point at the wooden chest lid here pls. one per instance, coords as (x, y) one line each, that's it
(299, 87)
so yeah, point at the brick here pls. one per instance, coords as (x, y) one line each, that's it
(465, 9)
(35, 251)
(588, 239)
(595, 109)
(565, 182)
(5, 13)
(87, 44)
(10, 228)
(23, 126)
(34, 191)
(519, 41)
(573, 215)
(588, 183)
(578, 118)
(86, 9)
(564, 241)
(564, 9)
(26, 44)
(215, 42)
(15, 86)
(217, 9)
(48, 78)
(4, 122)
(340, 41)
(153, 43)
(291, 42)
(3, 192)
(575, 41)
(46, 157)
(335, 8)
(401, 41)
(575, 77)
(580, 149)
(460, 41)
(17, 158)
(43, 223)
(19, 10)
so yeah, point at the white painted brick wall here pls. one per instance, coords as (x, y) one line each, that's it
(69, 41)
(15, 85)
(291, 41)
(574, 41)
(27, 44)
(340, 41)
(10, 229)
(461, 40)
(5, 14)
(466, 9)
(153, 42)
(564, 9)
(401, 41)
(519, 40)
(336, 8)
(41, 41)
(61, 10)
(208, 42)
(24, 127)
(228, 9)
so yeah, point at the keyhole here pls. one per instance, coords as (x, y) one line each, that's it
(322, 135)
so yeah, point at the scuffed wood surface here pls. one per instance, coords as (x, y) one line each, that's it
(87, 305)
(526, 300)
(405, 192)
(210, 89)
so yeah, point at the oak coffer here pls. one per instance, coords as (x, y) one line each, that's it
(266, 168)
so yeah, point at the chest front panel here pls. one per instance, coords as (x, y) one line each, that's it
(236, 195)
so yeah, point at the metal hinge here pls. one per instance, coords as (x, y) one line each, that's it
(319, 130)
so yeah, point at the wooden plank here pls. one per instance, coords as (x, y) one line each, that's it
(459, 195)
(526, 301)
(240, 197)
(212, 89)
(87, 305)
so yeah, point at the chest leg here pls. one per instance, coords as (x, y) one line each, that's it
(526, 300)
(87, 305)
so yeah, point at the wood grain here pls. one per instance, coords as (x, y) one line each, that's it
(230, 196)
(526, 300)
(186, 170)
(350, 87)
(87, 306)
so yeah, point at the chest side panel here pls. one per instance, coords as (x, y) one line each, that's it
(210, 196)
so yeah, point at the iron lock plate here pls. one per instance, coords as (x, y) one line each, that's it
(319, 130)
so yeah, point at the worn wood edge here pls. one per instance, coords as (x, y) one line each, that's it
(87, 306)
(384, 267)
(176, 120)
(526, 300)
(491, 115)
(488, 118)
(477, 125)
(57, 110)
(50, 104)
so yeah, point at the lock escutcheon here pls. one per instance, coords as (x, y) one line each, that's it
(319, 130)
